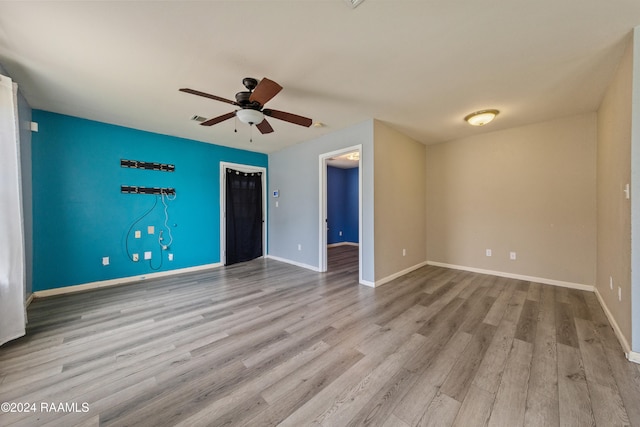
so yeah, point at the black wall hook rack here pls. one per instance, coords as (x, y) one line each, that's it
(135, 189)
(138, 164)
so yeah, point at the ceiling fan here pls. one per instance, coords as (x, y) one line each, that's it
(251, 103)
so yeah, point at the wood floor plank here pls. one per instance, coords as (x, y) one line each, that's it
(496, 312)
(509, 406)
(490, 370)
(596, 367)
(573, 393)
(578, 305)
(535, 290)
(438, 370)
(565, 325)
(527, 323)
(411, 406)
(475, 409)
(542, 396)
(394, 421)
(288, 399)
(541, 410)
(341, 400)
(463, 372)
(627, 378)
(441, 412)
(608, 407)
(267, 343)
(381, 405)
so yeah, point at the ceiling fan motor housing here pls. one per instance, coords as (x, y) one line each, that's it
(242, 98)
(250, 83)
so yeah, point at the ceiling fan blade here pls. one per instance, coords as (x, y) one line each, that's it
(207, 95)
(264, 127)
(288, 117)
(265, 90)
(218, 119)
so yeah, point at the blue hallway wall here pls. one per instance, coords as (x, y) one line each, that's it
(342, 205)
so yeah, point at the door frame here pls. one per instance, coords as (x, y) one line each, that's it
(223, 203)
(322, 217)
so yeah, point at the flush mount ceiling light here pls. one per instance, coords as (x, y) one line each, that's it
(249, 116)
(481, 118)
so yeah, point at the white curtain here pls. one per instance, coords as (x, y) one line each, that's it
(12, 264)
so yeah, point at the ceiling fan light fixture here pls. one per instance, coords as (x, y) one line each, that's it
(482, 117)
(353, 3)
(249, 116)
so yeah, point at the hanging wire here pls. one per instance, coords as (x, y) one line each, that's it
(165, 198)
(126, 241)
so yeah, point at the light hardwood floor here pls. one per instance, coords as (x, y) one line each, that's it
(266, 343)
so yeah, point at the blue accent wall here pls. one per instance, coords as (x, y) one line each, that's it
(342, 205)
(80, 215)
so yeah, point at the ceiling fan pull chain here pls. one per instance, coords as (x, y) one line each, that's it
(235, 124)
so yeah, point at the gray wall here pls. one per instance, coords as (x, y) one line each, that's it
(635, 193)
(614, 210)
(530, 189)
(294, 171)
(24, 116)
(400, 202)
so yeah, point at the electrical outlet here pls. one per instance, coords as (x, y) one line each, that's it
(404, 252)
(135, 257)
(151, 229)
(488, 252)
(512, 256)
(137, 234)
(105, 260)
(299, 247)
(147, 255)
(619, 293)
(610, 282)
(339, 233)
(170, 257)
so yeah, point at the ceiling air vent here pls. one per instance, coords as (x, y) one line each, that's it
(353, 3)
(198, 118)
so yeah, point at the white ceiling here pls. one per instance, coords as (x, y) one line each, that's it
(419, 66)
(345, 161)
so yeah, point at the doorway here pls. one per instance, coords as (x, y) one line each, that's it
(325, 159)
(242, 212)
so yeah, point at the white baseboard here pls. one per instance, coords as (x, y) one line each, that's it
(399, 274)
(119, 281)
(367, 283)
(543, 280)
(632, 356)
(333, 245)
(29, 300)
(296, 263)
